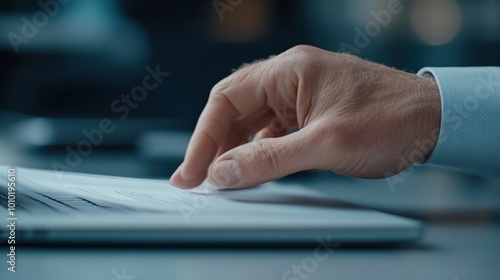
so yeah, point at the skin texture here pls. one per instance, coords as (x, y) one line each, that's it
(311, 109)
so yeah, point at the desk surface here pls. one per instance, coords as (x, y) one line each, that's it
(447, 252)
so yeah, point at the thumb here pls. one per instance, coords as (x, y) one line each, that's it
(264, 160)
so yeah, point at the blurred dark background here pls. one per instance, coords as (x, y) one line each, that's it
(92, 51)
(85, 54)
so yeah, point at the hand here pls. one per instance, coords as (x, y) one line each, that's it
(354, 117)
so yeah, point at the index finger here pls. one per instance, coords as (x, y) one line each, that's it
(234, 98)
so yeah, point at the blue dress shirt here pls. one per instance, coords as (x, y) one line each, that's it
(469, 138)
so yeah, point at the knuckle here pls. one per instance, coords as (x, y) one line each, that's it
(221, 99)
(266, 159)
(302, 50)
(308, 54)
(305, 58)
(219, 88)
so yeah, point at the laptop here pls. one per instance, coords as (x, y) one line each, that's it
(54, 207)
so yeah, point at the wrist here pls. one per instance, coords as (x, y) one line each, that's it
(432, 122)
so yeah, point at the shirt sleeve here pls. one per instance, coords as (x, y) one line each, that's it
(469, 139)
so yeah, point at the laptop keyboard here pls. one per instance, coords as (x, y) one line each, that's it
(57, 202)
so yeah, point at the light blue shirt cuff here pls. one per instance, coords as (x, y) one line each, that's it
(469, 138)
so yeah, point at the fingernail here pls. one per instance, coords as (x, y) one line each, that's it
(227, 173)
